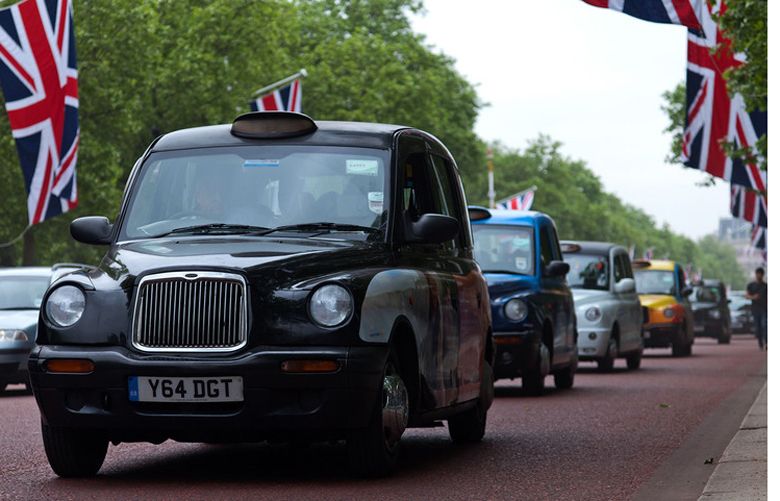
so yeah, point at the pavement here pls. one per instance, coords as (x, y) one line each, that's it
(611, 437)
(741, 472)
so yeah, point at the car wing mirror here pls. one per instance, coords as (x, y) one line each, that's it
(431, 229)
(686, 291)
(93, 230)
(625, 286)
(556, 269)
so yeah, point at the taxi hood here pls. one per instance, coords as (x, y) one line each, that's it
(656, 300)
(500, 284)
(249, 254)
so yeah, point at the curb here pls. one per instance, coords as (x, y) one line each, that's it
(741, 472)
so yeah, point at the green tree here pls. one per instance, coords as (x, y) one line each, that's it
(151, 66)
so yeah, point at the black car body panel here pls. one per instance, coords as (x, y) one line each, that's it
(710, 305)
(426, 302)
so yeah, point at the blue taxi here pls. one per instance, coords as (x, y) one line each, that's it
(534, 321)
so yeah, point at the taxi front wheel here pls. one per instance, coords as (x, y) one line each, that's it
(73, 453)
(373, 451)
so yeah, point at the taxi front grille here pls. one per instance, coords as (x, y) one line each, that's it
(190, 312)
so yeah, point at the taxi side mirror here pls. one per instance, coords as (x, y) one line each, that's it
(556, 269)
(431, 229)
(686, 291)
(625, 286)
(93, 230)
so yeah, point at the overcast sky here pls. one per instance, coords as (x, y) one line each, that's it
(588, 77)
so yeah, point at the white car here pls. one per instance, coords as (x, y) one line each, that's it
(609, 315)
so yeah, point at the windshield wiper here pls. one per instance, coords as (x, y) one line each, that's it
(321, 228)
(215, 228)
(506, 272)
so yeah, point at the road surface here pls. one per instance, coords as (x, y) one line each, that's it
(645, 434)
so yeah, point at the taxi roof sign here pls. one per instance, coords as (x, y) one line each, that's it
(272, 125)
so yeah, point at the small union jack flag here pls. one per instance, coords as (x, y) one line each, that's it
(521, 201)
(40, 84)
(287, 98)
(712, 116)
(748, 205)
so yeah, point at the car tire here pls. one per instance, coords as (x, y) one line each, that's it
(724, 337)
(607, 362)
(533, 382)
(469, 427)
(73, 453)
(681, 347)
(634, 360)
(564, 378)
(373, 451)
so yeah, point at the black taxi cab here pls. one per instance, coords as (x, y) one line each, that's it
(271, 279)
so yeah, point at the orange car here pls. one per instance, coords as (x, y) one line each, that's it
(667, 313)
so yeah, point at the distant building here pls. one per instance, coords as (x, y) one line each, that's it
(736, 232)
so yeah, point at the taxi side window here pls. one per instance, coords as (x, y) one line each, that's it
(546, 246)
(417, 199)
(444, 185)
(620, 267)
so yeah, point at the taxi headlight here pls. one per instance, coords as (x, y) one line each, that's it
(669, 312)
(516, 309)
(12, 335)
(65, 305)
(330, 305)
(593, 313)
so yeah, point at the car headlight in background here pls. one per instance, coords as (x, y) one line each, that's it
(330, 305)
(12, 335)
(516, 309)
(593, 313)
(714, 314)
(65, 305)
(669, 312)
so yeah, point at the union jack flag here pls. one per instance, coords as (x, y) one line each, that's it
(40, 84)
(748, 205)
(712, 116)
(520, 201)
(287, 98)
(758, 239)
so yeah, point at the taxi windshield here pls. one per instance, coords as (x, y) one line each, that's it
(654, 282)
(22, 293)
(259, 187)
(587, 271)
(504, 249)
(705, 294)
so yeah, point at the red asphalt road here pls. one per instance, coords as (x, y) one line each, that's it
(601, 440)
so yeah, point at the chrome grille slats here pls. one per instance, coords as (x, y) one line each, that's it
(190, 311)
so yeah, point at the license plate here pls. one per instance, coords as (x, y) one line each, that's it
(646, 334)
(186, 389)
(698, 328)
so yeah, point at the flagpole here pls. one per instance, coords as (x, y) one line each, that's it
(491, 186)
(281, 82)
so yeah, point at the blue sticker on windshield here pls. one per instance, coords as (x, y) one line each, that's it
(261, 163)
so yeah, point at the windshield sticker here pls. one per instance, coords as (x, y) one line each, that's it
(260, 163)
(376, 201)
(521, 263)
(362, 167)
